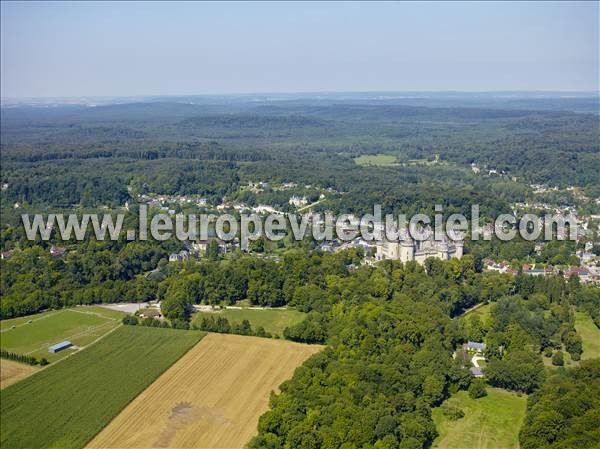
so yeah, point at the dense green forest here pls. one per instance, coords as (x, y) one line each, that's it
(67, 156)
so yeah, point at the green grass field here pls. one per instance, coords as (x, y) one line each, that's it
(7, 324)
(273, 320)
(491, 422)
(590, 335)
(377, 159)
(80, 325)
(67, 404)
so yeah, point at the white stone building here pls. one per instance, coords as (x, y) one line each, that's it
(407, 249)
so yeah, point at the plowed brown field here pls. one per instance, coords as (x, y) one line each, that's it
(211, 398)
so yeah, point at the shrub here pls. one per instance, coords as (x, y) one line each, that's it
(180, 324)
(558, 359)
(477, 389)
(130, 320)
(452, 412)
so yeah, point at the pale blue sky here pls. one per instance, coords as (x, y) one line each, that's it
(112, 49)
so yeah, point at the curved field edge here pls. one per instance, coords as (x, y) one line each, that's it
(66, 405)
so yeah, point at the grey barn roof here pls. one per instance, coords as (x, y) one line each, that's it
(59, 346)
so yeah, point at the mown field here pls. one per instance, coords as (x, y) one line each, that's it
(211, 398)
(7, 324)
(65, 405)
(33, 334)
(273, 320)
(491, 422)
(590, 335)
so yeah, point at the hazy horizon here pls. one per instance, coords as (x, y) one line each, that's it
(396, 93)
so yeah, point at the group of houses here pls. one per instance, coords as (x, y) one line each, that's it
(586, 273)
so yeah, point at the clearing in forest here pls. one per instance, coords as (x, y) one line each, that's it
(211, 398)
(273, 321)
(385, 160)
(590, 335)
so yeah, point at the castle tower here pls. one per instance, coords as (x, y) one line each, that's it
(442, 252)
(459, 244)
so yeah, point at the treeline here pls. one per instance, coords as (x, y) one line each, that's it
(204, 323)
(149, 321)
(150, 150)
(222, 325)
(27, 359)
(248, 121)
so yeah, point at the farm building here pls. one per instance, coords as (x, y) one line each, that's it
(150, 312)
(60, 346)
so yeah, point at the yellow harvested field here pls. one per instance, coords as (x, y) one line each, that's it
(211, 398)
(11, 372)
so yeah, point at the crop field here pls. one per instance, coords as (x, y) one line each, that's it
(80, 325)
(491, 422)
(11, 372)
(65, 405)
(590, 335)
(211, 398)
(273, 320)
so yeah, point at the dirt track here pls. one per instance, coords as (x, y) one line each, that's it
(211, 398)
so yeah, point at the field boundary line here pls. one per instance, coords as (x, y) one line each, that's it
(159, 375)
(94, 314)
